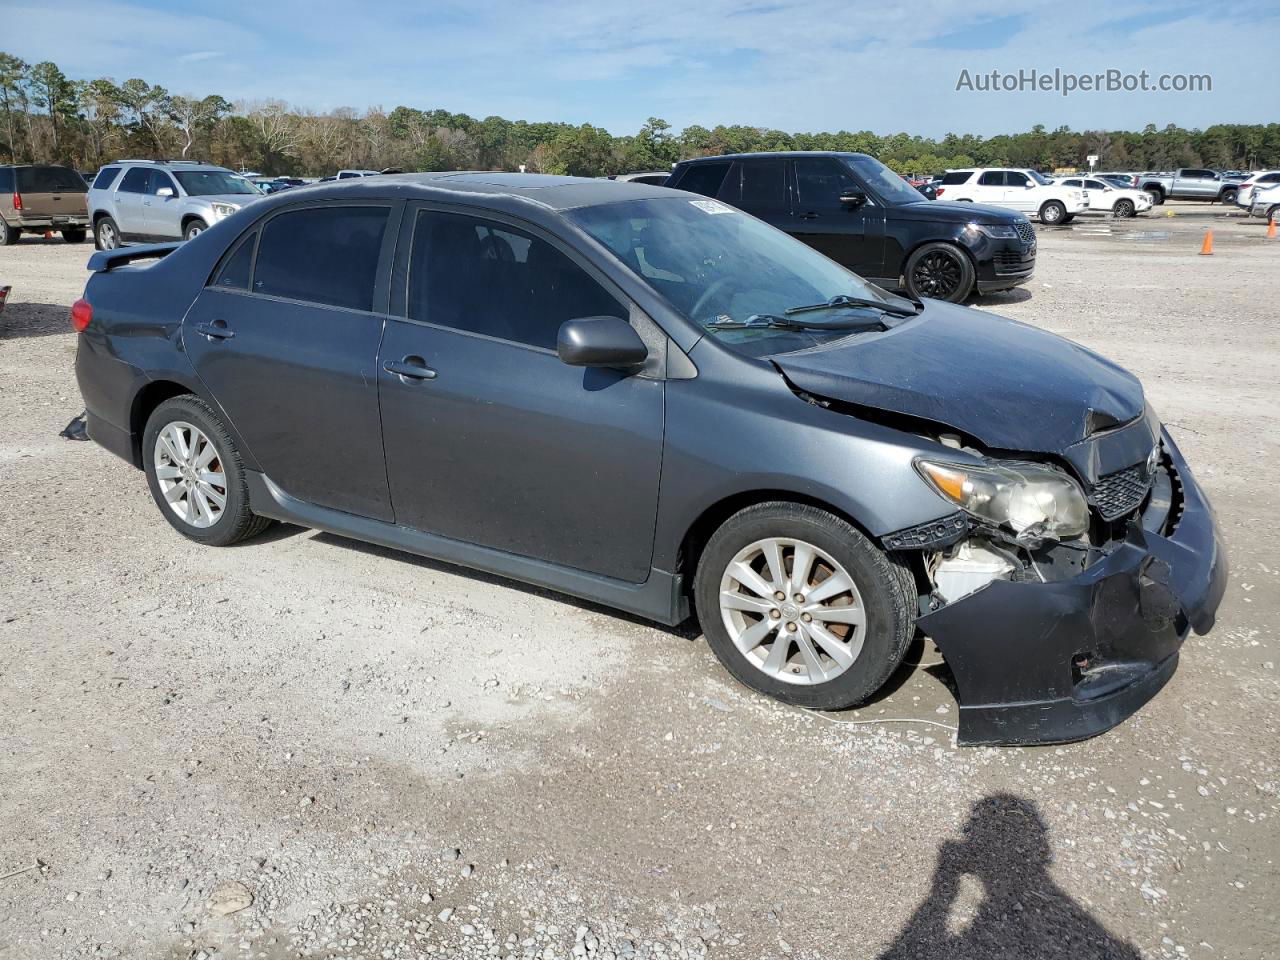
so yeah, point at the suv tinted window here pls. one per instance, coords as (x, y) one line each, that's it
(161, 179)
(49, 180)
(703, 178)
(820, 181)
(234, 274)
(325, 255)
(764, 184)
(6, 180)
(105, 178)
(992, 178)
(489, 278)
(1012, 178)
(956, 177)
(135, 181)
(1074, 183)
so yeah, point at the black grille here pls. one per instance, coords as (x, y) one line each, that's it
(1121, 492)
(1026, 232)
(1011, 261)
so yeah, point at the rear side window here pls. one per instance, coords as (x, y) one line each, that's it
(326, 255)
(135, 181)
(6, 180)
(106, 177)
(703, 178)
(764, 184)
(50, 180)
(490, 278)
(234, 274)
(956, 177)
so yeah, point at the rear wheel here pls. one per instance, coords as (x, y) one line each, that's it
(1053, 212)
(1123, 209)
(1157, 197)
(8, 234)
(106, 235)
(1228, 196)
(799, 605)
(940, 271)
(1273, 214)
(73, 236)
(195, 474)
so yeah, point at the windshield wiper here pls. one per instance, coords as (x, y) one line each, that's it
(840, 300)
(773, 321)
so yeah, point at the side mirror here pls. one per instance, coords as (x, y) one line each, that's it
(1030, 185)
(165, 192)
(600, 342)
(853, 198)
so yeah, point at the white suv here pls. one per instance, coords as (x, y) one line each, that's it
(154, 201)
(1018, 189)
(1104, 197)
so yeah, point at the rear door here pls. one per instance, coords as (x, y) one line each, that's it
(49, 191)
(989, 187)
(490, 439)
(760, 187)
(126, 201)
(285, 337)
(852, 236)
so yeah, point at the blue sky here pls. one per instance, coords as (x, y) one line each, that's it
(818, 65)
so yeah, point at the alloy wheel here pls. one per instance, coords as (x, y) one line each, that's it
(194, 231)
(792, 611)
(107, 238)
(189, 472)
(937, 275)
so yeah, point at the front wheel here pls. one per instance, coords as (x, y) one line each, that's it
(1053, 212)
(1124, 209)
(195, 475)
(193, 229)
(797, 604)
(940, 271)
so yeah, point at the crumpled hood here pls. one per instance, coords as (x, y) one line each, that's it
(1009, 385)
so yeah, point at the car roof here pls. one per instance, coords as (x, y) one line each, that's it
(547, 191)
(777, 154)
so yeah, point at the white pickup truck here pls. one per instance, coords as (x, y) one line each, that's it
(1189, 183)
(1018, 189)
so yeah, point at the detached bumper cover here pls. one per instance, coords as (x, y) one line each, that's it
(1065, 660)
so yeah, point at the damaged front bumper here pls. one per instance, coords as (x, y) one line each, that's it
(1038, 662)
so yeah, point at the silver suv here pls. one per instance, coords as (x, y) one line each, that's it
(155, 200)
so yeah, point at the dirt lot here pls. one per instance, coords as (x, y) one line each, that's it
(392, 758)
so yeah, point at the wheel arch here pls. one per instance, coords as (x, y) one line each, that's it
(190, 217)
(151, 395)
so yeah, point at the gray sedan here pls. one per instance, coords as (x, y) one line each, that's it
(652, 400)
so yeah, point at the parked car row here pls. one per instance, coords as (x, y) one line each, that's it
(1024, 190)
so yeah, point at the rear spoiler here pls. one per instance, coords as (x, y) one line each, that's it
(105, 260)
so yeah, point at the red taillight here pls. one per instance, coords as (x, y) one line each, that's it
(940, 191)
(81, 315)
(17, 200)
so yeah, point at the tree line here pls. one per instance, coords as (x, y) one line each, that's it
(46, 117)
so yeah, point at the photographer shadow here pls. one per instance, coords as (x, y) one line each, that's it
(1022, 914)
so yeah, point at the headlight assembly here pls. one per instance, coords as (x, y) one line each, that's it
(1031, 500)
(997, 231)
(223, 209)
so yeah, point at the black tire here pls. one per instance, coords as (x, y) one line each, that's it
(1124, 209)
(941, 271)
(1068, 218)
(237, 522)
(193, 229)
(74, 236)
(884, 580)
(1053, 212)
(8, 234)
(1228, 196)
(106, 234)
(1157, 197)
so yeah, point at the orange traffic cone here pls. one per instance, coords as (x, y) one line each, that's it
(1206, 249)
(1271, 229)
(48, 234)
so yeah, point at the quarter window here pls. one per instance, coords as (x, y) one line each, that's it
(234, 274)
(105, 178)
(704, 178)
(326, 255)
(1012, 178)
(135, 181)
(489, 278)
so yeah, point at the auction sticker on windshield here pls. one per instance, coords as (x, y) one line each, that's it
(711, 206)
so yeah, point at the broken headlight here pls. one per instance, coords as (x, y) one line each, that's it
(1029, 499)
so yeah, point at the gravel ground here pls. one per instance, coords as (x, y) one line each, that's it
(306, 746)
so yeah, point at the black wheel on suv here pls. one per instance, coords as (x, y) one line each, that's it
(940, 271)
(1053, 212)
(8, 234)
(106, 235)
(74, 236)
(193, 229)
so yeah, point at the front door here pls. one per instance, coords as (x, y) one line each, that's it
(852, 235)
(1018, 192)
(490, 439)
(163, 216)
(287, 343)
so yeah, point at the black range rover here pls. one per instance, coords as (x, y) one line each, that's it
(864, 216)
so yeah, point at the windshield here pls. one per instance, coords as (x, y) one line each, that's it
(887, 185)
(716, 264)
(212, 183)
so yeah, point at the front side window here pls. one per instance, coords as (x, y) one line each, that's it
(821, 181)
(213, 183)
(886, 184)
(714, 263)
(135, 181)
(485, 277)
(159, 180)
(1014, 179)
(325, 255)
(704, 178)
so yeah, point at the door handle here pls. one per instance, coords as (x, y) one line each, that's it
(410, 368)
(217, 330)
(808, 216)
